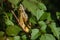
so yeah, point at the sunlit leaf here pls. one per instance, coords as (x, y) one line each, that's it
(17, 38)
(14, 2)
(54, 29)
(39, 14)
(49, 17)
(33, 9)
(35, 34)
(43, 26)
(32, 20)
(9, 22)
(10, 16)
(42, 6)
(47, 37)
(30, 6)
(58, 28)
(13, 38)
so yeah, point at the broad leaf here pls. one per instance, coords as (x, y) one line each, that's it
(32, 20)
(14, 38)
(54, 29)
(30, 6)
(33, 9)
(44, 16)
(10, 16)
(47, 37)
(17, 38)
(58, 28)
(35, 34)
(49, 17)
(14, 2)
(9, 22)
(12, 30)
(42, 26)
(39, 14)
(58, 15)
(24, 37)
(42, 6)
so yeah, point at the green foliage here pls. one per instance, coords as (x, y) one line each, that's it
(39, 14)
(24, 37)
(30, 6)
(43, 20)
(1, 33)
(42, 6)
(44, 16)
(14, 38)
(12, 30)
(32, 20)
(47, 37)
(14, 2)
(58, 15)
(17, 38)
(35, 34)
(43, 26)
(54, 29)
(9, 22)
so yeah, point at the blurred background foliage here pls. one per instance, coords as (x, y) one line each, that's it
(44, 16)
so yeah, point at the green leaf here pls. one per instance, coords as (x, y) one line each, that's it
(14, 2)
(35, 1)
(47, 37)
(12, 30)
(30, 6)
(24, 37)
(58, 15)
(49, 17)
(54, 29)
(1, 33)
(43, 26)
(41, 6)
(44, 16)
(32, 20)
(33, 9)
(58, 28)
(14, 38)
(10, 16)
(39, 14)
(17, 38)
(9, 22)
(35, 34)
